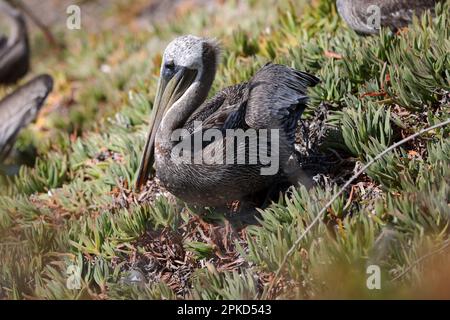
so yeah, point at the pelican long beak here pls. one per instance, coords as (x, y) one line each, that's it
(168, 92)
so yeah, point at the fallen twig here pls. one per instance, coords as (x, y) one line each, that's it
(418, 261)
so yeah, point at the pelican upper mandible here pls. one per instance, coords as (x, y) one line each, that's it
(234, 145)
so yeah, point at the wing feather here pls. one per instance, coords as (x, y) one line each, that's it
(278, 97)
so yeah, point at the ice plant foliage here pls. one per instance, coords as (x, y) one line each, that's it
(73, 213)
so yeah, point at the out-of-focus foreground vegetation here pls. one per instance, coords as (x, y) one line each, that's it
(75, 205)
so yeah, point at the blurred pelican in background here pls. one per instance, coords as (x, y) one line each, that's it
(366, 17)
(14, 48)
(20, 108)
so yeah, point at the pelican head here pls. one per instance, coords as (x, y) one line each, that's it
(187, 72)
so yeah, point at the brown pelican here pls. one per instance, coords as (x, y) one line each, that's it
(14, 50)
(367, 16)
(21, 107)
(270, 103)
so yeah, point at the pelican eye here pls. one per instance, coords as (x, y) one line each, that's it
(170, 65)
(169, 69)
